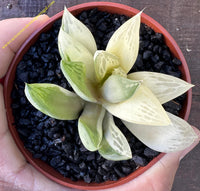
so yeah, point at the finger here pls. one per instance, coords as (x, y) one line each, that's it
(31, 180)
(11, 160)
(160, 176)
(10, 157)
(13, 33)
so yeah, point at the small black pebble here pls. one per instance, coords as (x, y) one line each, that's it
(106, 177)
(126, 170)
(55, 161)
(102, 27)
(98, 178)
(39, 114)
(24, 122)
(82, 166)
(147, 54)
(158, 66)
(43, 148)
(157, 38)
(91, 156)
(150, 153)
(139, 62)
(119, 171)
(176, 61)
(87, 178)
(139, 160)
(113, 177)
(166, 55)
(101, 171)
(44, 37)
(50, 73)
(24, 76)
(156, 48)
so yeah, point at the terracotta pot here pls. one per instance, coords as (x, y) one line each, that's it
(9, 78)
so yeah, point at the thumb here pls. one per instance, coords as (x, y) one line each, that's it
(12, 34)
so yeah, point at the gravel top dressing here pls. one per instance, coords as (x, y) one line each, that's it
(57, 142)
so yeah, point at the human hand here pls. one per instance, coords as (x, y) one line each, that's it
(17, 175)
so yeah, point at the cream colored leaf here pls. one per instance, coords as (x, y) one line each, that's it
(142, 108)
(77, 30)
(164, 87)
(71, 50)
(117, 89)
(177, 136)
(125, 42)
(104, 63)
(114, 145)
(75, 74)
(90, 126)
(54, 101)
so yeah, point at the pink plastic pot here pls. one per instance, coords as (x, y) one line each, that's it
(9, 78)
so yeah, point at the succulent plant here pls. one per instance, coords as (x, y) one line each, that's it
(103, 89)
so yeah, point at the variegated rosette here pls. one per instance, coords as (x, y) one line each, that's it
(103, 89)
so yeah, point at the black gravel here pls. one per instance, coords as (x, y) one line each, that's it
(57, 142)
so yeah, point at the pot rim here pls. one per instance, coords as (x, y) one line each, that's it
(113, 8)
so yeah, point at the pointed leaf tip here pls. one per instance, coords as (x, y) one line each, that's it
(124, 43)
(77, 30)
(164, 87)
(114, 145)
(175, 137)
(71, 50)
(54, 100)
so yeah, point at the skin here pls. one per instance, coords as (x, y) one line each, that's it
(17, 175)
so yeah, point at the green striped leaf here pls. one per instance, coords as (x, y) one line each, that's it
(54, 101)
(75, 73)
(90, 126)
(117, 89)
(114, 145)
